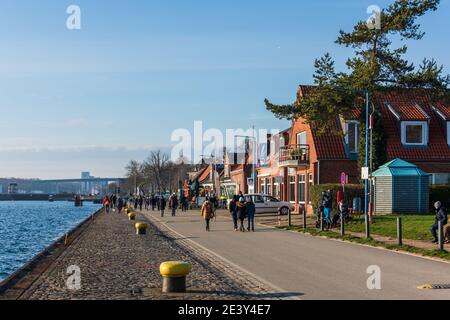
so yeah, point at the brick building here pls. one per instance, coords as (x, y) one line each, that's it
(417, 131)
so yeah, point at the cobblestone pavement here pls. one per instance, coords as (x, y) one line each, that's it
(117, 264)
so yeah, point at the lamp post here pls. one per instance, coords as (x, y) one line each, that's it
(366, 160)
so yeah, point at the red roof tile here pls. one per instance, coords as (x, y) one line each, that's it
(437, 150)
(443, 109)
(329, 145)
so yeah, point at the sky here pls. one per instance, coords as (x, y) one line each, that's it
(95, 98)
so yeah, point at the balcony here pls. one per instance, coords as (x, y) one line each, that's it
(294, 156)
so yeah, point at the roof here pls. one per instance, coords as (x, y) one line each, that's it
(329, 145)
(395, 106)
(442, 110)
(398, 167)
(414, 105)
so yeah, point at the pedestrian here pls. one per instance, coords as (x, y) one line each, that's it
(173, 204)
(136, 203)
(120, 204)
(207, 213)
(141, 202)
(162, 205)
(153, 202)
(106, 203)
(233, 212)
(441, 216)
(251, 210)
(241, 213)
(328, 207)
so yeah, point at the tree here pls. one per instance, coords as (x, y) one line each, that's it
(375, 66)
(156, 167)
(133, 173)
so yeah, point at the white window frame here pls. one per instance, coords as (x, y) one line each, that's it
(298, 138)
(424, 125)
(347, 123)
(448, 133)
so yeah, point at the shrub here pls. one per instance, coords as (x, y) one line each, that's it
(351, 191)
(440, 193)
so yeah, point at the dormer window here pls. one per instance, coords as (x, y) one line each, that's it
(352, 135)
(414, 133)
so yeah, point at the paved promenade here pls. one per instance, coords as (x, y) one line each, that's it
(117, 264)
(307, 267)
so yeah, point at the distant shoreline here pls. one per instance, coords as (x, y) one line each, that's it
(38, 197)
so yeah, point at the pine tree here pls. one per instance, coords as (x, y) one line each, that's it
(375, 66)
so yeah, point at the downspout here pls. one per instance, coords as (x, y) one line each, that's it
(318, 172)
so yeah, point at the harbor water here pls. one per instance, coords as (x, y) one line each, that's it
(28, 227)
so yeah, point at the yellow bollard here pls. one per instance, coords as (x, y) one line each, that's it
(174, 275)
(131, 216)
(141, 228)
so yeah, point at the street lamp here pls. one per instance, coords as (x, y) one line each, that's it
(366, 161)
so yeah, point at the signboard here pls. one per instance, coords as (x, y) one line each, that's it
(344, 178)
(250, 182)
(365, 173)
(292, 172)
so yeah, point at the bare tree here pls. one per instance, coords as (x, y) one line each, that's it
(134, 174)
(156, 167)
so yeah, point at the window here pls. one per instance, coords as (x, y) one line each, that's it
(351, 137)
(301, 138)
(292, 189)
(302, 188)
(262, 188)
(269, 186)
(270, 199)
(415, 133)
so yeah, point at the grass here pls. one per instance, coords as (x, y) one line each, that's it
(415, 227)
(333, 235)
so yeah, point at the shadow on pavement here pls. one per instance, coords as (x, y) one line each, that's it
(278, 295)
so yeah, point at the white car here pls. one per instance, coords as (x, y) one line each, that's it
(267, 204)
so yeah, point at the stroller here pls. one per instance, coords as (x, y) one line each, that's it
(321, 214)
(344, 212)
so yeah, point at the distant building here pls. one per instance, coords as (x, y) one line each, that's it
(86, 175)
(13, 188)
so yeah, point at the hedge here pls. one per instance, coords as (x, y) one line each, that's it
(440, 193)
(351, 191)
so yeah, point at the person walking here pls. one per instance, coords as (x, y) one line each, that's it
(207, 213)
(441, 216)
(233, 212)
(241, 213)
(153, 202)
(173, 204)
(120, 204)
(328, 207)
(162, 205)
(251, 210)
(106, 203)
(141, 202)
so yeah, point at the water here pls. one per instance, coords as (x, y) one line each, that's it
(28, 227)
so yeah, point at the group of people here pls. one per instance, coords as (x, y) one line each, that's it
(242, 208)
(113, 202)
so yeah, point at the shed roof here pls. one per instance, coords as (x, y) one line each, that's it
(399, 167)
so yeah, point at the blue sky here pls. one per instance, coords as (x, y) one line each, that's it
(95, 98)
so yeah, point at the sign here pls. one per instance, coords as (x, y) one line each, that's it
(292, 172)
(365, 173)
(344, 178)
(250, 182)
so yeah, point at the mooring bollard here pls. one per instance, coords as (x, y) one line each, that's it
(399, 231)
(141, 228)
(174, 275)
(131, 216)
(441, 235)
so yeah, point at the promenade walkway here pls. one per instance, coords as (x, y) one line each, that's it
(307, 267)
(117, 264)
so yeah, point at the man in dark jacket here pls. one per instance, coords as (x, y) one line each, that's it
(233, 211)
(441, 216)
(162, 205)
(241, 212)
(251, 210)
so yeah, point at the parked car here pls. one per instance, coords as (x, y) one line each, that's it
(267, 204)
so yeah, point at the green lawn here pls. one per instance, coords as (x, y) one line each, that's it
(415, 227)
